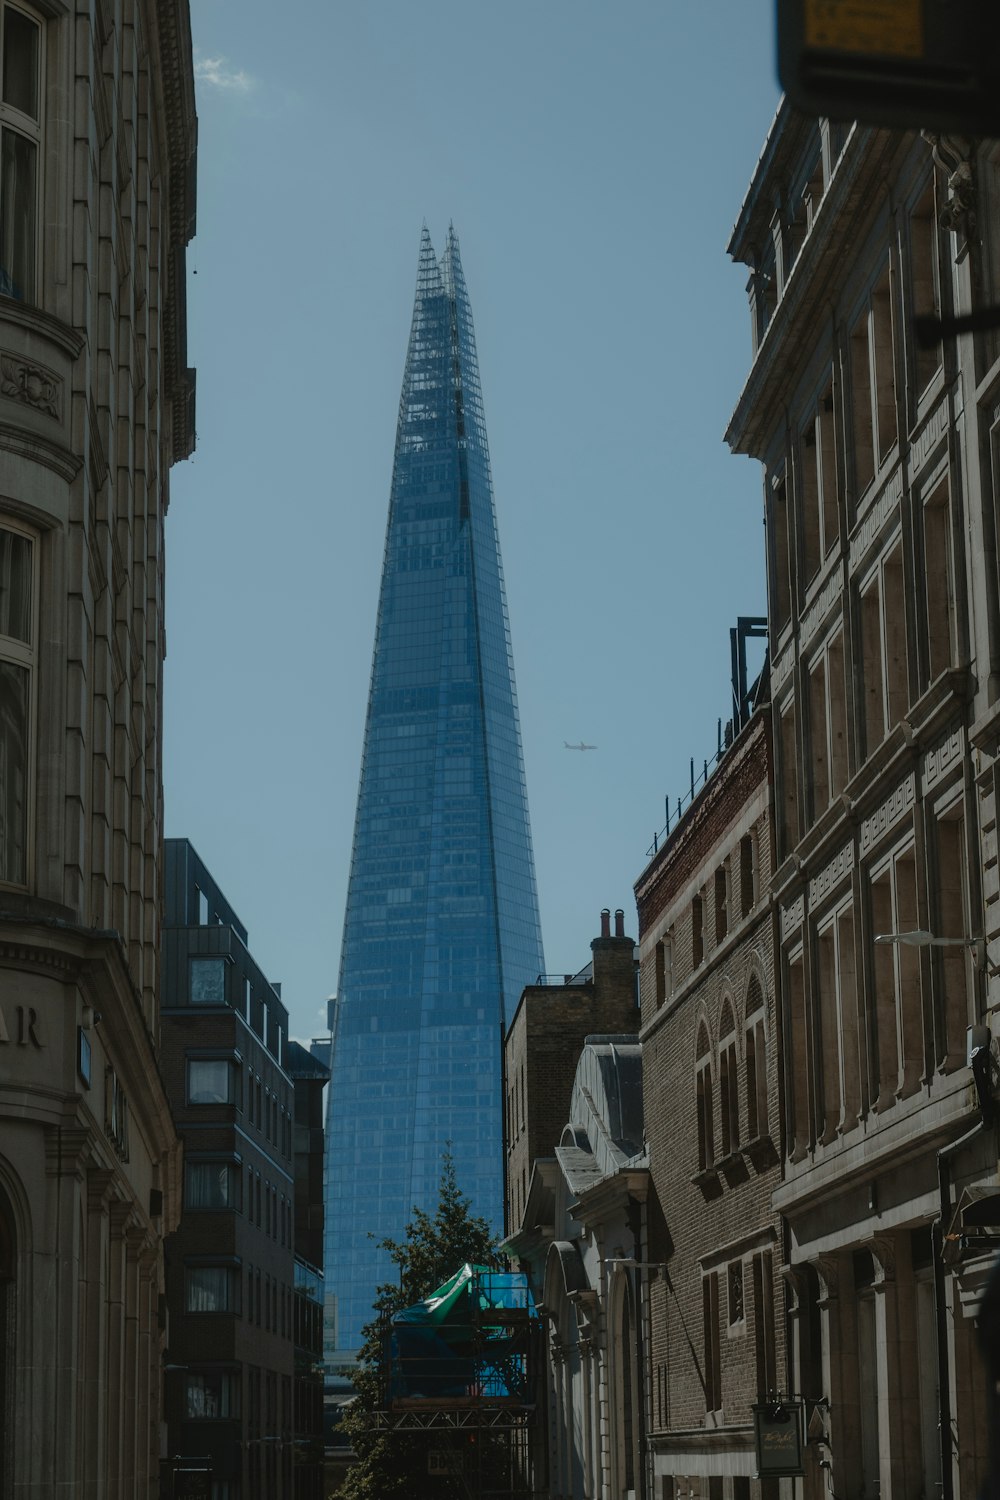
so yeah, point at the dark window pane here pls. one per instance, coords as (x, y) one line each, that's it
(20, 62)
(13, 773)
(17, 216)
(15, 586)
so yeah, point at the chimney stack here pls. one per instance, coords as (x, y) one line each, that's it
(614, 964)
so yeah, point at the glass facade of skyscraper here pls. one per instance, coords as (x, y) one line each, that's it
(441, 931)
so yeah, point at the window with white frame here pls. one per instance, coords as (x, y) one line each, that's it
(837, 1011)
(873, 383)
(827, 724)
(17, 672)
(896, 1008)
(882, 608)
(818, 513)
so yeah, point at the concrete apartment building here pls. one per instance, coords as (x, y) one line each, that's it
(231, 1263)
(880, 492)
(97, 172)
(711, 1082)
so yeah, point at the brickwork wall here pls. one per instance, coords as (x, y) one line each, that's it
(704, 1222)
(541, 1053)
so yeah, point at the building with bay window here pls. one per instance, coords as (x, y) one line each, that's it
(97, 159)
(231, 1275)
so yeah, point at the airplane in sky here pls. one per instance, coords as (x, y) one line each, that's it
(580, 746)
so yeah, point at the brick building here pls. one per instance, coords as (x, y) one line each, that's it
(230, 1264)
(542, 1046)
(97, 173)
(711, 1080)
(880, 495)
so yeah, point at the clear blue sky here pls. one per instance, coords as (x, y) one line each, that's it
(593, 158)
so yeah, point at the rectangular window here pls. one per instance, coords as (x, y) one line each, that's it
(211, 1081)
(713, 1361)
(729, 1099)
(826, 472)
(211, 1185)
(17, 662)
(734, 1286)
(778, 521)
(664, 968)
(939, 582)
(924, 284)
(952, 966)
(748, 874)
(697, 931)
(20, 150)
(210, 1289)
(208, 981)
(788, 770)
(798, 1061)
(721, 902)
(211, 1395)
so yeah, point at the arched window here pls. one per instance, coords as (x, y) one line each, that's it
(703, 1090)
(756, 1055)
(729, 1099)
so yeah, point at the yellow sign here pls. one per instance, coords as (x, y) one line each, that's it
(890, 28)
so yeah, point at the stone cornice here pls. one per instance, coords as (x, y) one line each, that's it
(96, 961)
(827, 253)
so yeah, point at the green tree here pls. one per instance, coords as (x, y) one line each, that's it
(433, 1247)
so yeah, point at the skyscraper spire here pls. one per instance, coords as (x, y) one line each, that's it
(441, 931)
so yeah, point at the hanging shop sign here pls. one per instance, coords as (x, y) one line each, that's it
(777, 1426)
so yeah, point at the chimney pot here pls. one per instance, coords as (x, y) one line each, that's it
(619, 923)
(606, 922)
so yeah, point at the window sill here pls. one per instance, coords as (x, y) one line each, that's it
(708, 1181)
(761, 1151)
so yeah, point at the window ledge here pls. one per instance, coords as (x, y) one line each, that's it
(708, 1181)
(761, 1151)
(733, 1167)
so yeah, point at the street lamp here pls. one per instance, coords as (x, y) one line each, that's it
(921, 938)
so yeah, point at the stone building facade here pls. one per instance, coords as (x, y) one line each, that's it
(543, 1044)
(231, 1299)
(711, 1082)
(579, 1244)
(97, 156)
(880, 497)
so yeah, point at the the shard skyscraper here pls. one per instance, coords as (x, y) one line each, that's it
(441, 931)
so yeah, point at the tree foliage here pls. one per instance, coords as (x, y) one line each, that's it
(433, 1247)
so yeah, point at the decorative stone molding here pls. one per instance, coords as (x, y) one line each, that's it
(26, 445)
(792, 917)
(883, 1249)
(32, 384)
(827, 1268)
(876, 518)
(927, 439)
(817, 613)
(841, 864)
(885, 818)
(939, 760)
(67, 1150)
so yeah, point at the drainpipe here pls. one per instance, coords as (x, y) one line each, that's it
(938, 1231)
